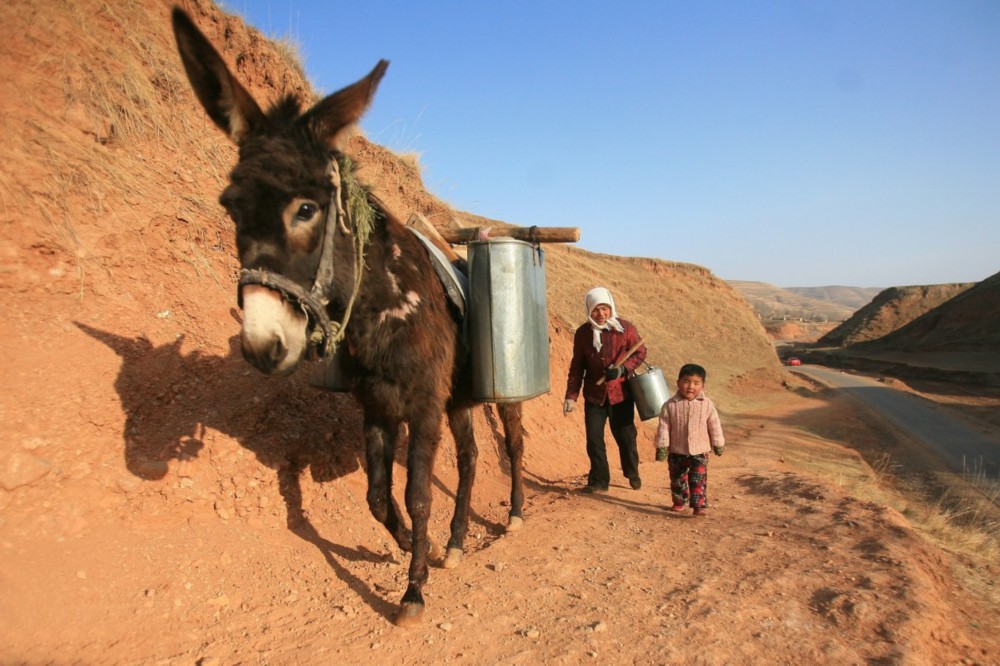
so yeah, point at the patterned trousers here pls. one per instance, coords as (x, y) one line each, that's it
(688, 479)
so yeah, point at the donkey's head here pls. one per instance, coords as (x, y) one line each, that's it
(280, 196)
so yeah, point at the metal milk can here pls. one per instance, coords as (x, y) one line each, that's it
(508, 320)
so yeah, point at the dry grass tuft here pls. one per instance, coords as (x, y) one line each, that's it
(290, 51)
(411, 160)
(961, 522)
(975, 476)
(968, 530)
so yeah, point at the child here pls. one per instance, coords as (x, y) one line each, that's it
(689, 427)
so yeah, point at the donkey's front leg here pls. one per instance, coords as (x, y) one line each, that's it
(420, 466)
(460, 422)
(380, 449)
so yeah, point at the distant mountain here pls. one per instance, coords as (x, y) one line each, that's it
(851, 297)
(890, 310)
(771, 303)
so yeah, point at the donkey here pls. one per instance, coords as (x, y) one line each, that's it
(325, 265)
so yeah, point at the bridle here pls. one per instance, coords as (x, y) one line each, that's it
(325, 334)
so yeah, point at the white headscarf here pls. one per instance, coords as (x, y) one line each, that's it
(595, 297)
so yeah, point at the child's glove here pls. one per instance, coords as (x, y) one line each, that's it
(717, 450)
(661, 454)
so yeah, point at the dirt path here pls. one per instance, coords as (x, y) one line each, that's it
(788, 568)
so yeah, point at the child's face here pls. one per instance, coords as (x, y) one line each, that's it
(601, 313)
(690, 386)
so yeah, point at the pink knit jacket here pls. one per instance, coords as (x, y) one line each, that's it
(689, 427)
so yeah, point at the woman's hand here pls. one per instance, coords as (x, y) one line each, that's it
(614, 373)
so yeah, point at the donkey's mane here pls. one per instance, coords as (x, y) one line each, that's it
(363, 207)
(285, 111)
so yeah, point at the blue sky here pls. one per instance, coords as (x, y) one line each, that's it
(796, 143)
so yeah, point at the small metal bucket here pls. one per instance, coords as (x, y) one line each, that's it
(508, 321)
(649, 391)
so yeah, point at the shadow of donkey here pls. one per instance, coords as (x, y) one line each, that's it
(171, 399)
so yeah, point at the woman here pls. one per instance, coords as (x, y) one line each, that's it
(600, 367)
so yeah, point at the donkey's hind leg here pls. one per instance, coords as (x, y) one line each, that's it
(510, 414)
(460, 422)
(380, 449)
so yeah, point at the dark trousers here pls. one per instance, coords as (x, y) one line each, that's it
(622, 419)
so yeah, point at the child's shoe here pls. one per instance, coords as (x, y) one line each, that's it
(701, 512)
(677, 507)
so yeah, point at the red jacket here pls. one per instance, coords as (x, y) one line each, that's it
(588, 364)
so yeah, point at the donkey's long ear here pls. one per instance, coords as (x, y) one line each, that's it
(226, 101)
(333, 116)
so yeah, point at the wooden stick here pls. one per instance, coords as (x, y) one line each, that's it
(624, 357)
(530, 234)
(423, 225)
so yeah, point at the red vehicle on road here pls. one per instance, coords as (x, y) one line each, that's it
(793, 361)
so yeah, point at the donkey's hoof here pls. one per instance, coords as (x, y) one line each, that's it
(410, 615)
(515, 523)
(434, 553)
(453, 558)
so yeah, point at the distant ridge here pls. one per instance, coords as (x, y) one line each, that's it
(771, 302)
(852, 297)
(889, 311)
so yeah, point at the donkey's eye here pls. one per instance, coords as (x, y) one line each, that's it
(301, 216)
(306, 212)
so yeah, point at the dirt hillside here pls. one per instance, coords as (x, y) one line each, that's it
(796, 331)
(161, 502)
(890, 310)
(900, 334)
(969, 321)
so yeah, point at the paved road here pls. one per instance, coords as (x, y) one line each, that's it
(961, 447)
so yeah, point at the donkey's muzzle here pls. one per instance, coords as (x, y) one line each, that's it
(265, 357)
(274, 336)
(314, 308)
